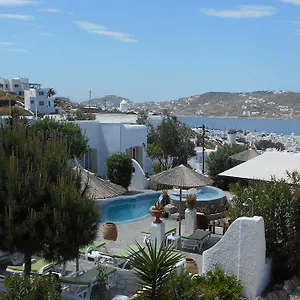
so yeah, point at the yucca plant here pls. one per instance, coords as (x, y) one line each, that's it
(154, 267)
(158, 206)
(191, 200)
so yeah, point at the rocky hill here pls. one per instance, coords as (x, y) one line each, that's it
(264, 104)
(258, 104)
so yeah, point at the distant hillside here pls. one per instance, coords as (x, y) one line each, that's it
(106, 102)
(267, 104)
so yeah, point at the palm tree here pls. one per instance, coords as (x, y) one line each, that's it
(153, 267)
(51, 92)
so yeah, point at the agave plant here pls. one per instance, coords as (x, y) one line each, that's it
(154, 267)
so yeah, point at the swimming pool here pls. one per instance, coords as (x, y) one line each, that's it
(127, 208)
(206, 195)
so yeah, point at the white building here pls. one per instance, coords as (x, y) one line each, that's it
(106, 138)
(124, 106)
(196, 162)
(36, 99)
(15, 85)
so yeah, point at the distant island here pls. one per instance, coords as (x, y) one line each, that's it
(258, 104)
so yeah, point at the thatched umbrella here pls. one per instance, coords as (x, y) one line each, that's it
(245, 155)
(182, 177)
(99, 188)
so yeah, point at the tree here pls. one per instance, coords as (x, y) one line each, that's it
(171, 140)
(43, 208)
(154, 266)
(220, 161)
(119, 169)
(278, 202)
(51, 92)
(69, 131)
(142, 118)
(31, 288)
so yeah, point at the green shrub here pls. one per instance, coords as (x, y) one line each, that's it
(119, 169)
(278, 203)
(157, 168)
(216, 284)
(31, 288)
(183, 286)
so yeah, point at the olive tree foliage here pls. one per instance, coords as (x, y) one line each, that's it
(44, 207)
(220, 161)
(278, 202)
(170, 142)
(119, 169)
(31, 288)
(69, 131)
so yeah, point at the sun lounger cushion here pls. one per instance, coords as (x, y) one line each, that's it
(94, 246)
(35, 267)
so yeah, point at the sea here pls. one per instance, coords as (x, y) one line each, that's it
(260, 125)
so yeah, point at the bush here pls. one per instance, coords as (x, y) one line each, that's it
(157, 168)
(31, 288)
(278, 203)
(119, 169)
(216, 284)
(220, 161)
(183, 286)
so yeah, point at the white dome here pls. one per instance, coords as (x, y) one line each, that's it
(124, 101)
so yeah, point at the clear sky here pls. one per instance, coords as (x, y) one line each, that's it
(151, 50)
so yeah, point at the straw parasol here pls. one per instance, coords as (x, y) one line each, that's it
(245, 155)
(182, 177)
(99, 188)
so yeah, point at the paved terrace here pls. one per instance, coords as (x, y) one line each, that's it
(128, 233)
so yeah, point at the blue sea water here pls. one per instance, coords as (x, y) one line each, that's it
(267, 125)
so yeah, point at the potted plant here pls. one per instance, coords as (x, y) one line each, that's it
(157, 211)
(190, 201)
(165, 197)
(100, 287)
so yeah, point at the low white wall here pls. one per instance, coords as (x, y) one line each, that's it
(242, 252)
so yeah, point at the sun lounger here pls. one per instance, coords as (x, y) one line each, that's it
(168, 231)
(117, 257)
(40, 267)
(95, 246)
(195, 240)
(81, 283)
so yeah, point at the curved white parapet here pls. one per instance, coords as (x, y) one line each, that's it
(242, 252)
(139, 179)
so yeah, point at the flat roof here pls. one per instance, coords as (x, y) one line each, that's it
(266, 166)
(116, 118)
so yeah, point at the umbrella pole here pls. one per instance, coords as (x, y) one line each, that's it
(180, 208)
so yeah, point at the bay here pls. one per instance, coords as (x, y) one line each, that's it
(260, 125)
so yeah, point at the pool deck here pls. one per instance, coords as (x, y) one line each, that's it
(130, 232)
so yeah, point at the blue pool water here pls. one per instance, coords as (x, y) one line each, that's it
(127, 208)
(205, 193)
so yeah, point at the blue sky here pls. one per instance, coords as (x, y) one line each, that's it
(152, 50)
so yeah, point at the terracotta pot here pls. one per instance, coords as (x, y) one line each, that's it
(157, 213)
(191, 265)
(110, 231)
